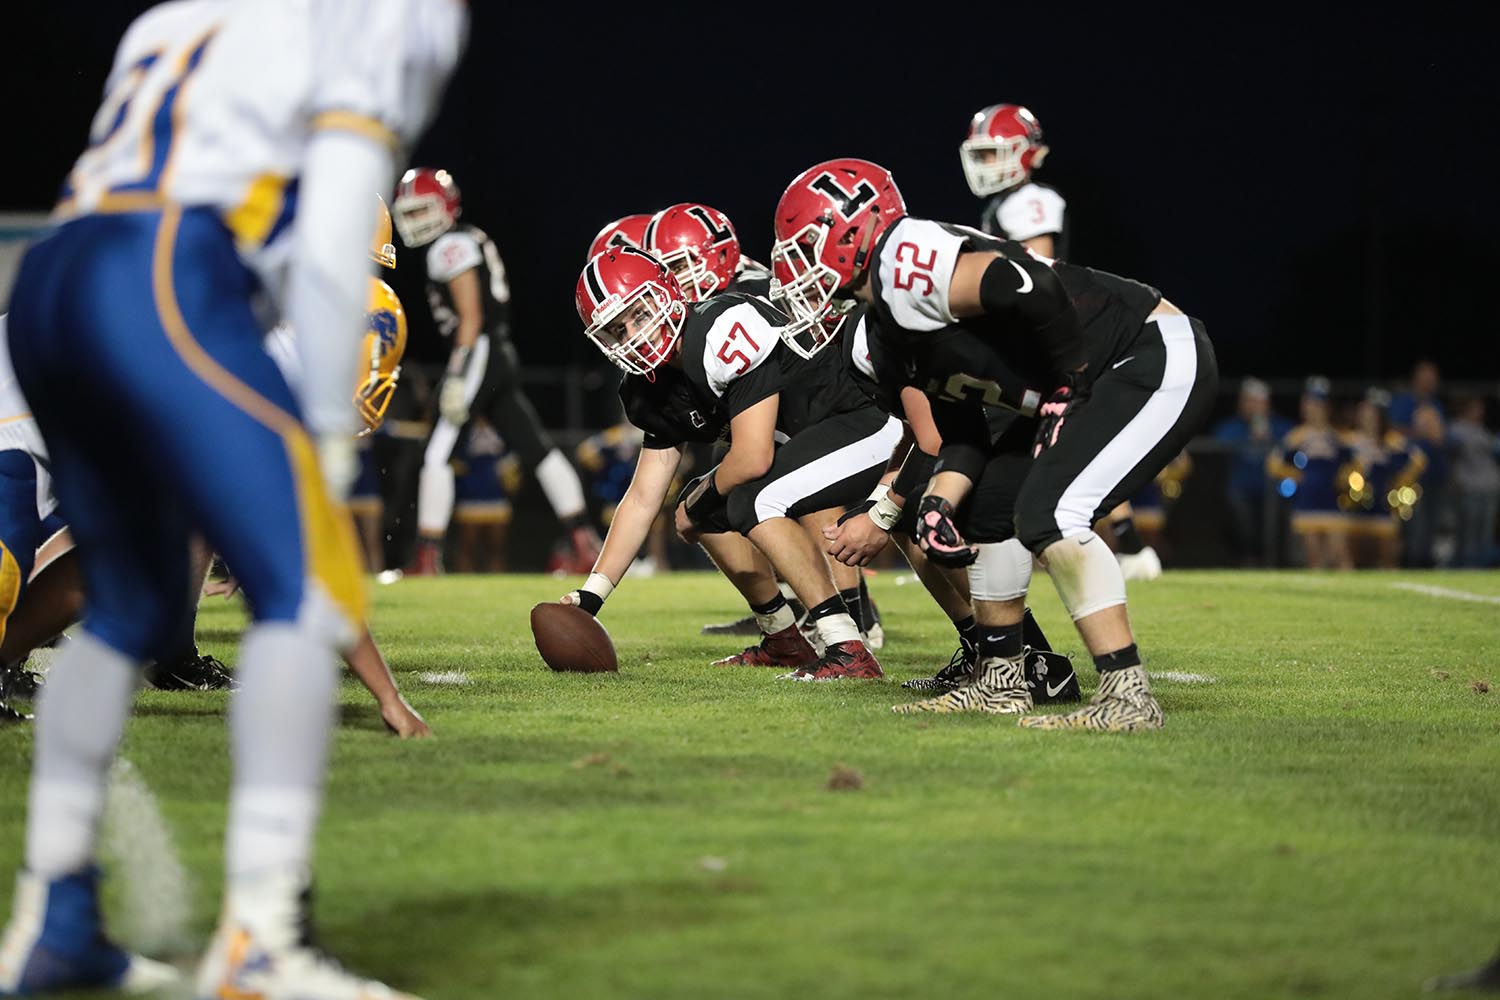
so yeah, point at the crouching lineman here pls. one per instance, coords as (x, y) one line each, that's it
(695, 370)
(136, 335)
(1129, 378)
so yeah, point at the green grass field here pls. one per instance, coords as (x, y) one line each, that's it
(1320, 820)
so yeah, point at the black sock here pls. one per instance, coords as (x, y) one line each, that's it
(1127, 539)
(968, 636)
(833, 606)
(770, 607)
(867, 618)
(1032, 633)
(1120, 659)
(1003, 641)
(855, 605)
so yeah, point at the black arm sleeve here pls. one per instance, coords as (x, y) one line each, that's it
(966, 438)
(1031, 291)
(915, 472)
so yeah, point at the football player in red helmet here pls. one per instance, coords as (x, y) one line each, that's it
(698, 245)
(693, 371)
(629, 231)
(469, 294)
(1125, 379)
(1003, 148)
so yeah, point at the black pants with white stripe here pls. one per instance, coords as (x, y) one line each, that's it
(493, 388)
(1140, 414)
(834, 463)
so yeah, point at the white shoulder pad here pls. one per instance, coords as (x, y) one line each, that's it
(380, 68)
(861, 349)
(916, 267)
(451, 254)
(740, 340)
(1032, 211)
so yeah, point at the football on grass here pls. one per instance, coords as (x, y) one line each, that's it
(570, 638)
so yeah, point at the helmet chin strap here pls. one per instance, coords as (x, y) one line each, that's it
(863, 253)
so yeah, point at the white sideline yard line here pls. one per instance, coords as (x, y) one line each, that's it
(1431, 590)
(1180, 677)
(453, 678)
(156, 892)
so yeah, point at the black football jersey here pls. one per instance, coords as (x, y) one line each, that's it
(1032, 209)
(752, 278)
(914, 261)
(451, 254)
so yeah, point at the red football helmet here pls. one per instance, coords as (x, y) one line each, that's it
(426, 205)
(697, 244)
(629, 231)
(827, 223)
(1003, 148)
(633, 308)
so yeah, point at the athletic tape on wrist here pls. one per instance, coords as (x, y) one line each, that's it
(885, 513)
(599, 585)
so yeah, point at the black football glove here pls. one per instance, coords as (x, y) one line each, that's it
(939, 537)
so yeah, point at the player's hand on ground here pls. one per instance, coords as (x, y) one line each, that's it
(403, 720)
(451, 402)
(855, 539)
(587, 600)
(938, 535)
(686, 530)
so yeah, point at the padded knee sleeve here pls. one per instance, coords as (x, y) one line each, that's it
(1086, 574)
(1001, 573)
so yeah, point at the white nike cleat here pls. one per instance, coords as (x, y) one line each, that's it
(1142, 565)
(263, 951)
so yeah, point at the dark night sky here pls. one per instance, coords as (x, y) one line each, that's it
(1320, 189)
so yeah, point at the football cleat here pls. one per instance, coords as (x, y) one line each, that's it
(18, 682)
(191, 673)
(848, 660)
(1485, 979)
(428, 560)
(958, 672)
(744, 626)
(8, 714)
(1123, 703)
(264, 949)
(786, 648)
(577, 555)
(1142, 565)
(1051, 677)
(55, 941)
(999, 688)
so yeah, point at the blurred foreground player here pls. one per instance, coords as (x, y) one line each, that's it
(164, 415)
(469, 294)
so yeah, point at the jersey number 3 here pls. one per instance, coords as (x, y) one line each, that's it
(728, 357)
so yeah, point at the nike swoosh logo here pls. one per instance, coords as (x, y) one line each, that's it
(1052, 691)
(1026, 284)
(1121, 362)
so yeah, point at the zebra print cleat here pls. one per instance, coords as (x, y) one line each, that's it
(1123, 703)
(1000, 689)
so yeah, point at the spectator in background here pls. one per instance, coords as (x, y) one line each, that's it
(1380, 489)
(1311, 467)
(1429, 503)
(1252, 432)
(1475, 482)
(1425, 383)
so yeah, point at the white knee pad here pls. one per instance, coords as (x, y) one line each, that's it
(1001, 573)
(1086, 574)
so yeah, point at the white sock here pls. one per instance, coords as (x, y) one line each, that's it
(778, 620)
(560, 482)
(279, 724)
(434, 498)
(834, 629)
(81, 714)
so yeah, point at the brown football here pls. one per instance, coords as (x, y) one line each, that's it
(570, 638)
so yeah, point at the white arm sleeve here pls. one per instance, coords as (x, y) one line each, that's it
(329, 280)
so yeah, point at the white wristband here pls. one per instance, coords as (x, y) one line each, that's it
(885, 513)
(599, 585)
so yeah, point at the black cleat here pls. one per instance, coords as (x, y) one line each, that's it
(8, 714)
(744, 626)
(958, 672)
(193, 673)
(16, 682)
(1051, 677)
(1485, 979)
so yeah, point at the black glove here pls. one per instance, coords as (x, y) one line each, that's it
(1056, 410)
(939, 537)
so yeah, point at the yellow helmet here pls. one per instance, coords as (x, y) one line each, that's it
(382, 250)
(384, 343)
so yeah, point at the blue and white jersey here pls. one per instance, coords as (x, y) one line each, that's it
(179, 124)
